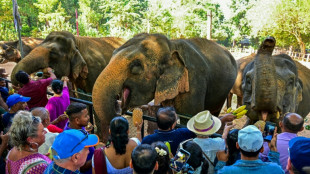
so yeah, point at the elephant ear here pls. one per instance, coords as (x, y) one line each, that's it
(78, 64)
(174, 79)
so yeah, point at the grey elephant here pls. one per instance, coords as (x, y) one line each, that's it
(190, 74)
(275, 85)
(80, 58)
(10, 50)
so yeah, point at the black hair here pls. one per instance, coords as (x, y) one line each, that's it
(165, 117)
(234, 153)
(250, 154)
(74, 108)
(196, 156)
(294, 128)
(119, 134)
(57, 86)
(164, 160)
(22, 77)
(143, 159)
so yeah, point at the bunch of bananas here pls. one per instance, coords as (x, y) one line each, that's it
(239, 112)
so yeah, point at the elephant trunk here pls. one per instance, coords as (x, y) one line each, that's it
(106, 89)
(34, 61)
(265, 84)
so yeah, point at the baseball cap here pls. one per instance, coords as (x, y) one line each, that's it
(15, 98)
(73, 141)
(300, 152)
(250, 139)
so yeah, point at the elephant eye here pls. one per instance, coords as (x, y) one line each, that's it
(136, 67)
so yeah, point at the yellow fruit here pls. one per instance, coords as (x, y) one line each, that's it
(137, 116)
(229, 110)
(240, 109)
(240, 114)
(278, 115)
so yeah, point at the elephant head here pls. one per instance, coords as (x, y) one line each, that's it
(59, 51)
(8, 53)
(270, 84)
(146, 67)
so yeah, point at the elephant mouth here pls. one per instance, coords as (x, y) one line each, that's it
(126, 95)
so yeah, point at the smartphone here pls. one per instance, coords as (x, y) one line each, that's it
(179, 160)
(269, 130)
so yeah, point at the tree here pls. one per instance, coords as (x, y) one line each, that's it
(7, 30)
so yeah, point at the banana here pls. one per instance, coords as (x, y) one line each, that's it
(240, 114)
(229, 110)
(240, 109)
(278, 115)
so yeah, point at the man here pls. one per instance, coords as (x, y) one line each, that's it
(291, 124)
(79, 119)
(166, 121)
(45, 120)
(250, 143)
(35, 89)
(70, 150)
(15, 102)
(143, 159)
(299, 158)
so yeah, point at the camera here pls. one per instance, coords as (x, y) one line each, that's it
(269, 130)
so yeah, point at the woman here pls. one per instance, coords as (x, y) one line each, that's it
(163, 158)
(233, 152)
(115, 157)
(196, 163)
(59, 102)
(26, 135)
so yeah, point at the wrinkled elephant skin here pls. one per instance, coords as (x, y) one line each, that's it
(190, 74)
(10, 50)
(80, 58)
(280, 85)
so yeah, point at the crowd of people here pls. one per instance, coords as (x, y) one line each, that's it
(41, 135)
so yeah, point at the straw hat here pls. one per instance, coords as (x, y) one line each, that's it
(204, 123)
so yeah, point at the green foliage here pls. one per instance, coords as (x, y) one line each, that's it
(286, 20)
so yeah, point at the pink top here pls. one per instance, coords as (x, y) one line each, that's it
(34, 163)
(57, 106)
(37, 91)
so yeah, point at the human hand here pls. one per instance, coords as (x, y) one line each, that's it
(4, 138)
(273, 143)
(50, 70)
(227, 118)
(228, 127)
(65, 78)
(16, 88)
(222, 155)
(89, 127)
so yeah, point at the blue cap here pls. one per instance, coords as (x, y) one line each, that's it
(73, 141)
(300, 152)
(250, 139)
(15, 98)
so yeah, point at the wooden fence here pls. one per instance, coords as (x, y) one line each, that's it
(241, 52)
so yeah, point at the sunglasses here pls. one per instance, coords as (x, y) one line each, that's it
(86, 136)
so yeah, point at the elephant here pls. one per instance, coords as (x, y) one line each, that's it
(275, 85)
(80, 58)
(236, 89)
(10, 50)
(190, 74)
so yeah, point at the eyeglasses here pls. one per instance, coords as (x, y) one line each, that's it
(86, 136)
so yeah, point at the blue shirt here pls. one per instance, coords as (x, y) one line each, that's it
(4, 93)
(55, 169)
(91, 150)
(252, 167)
(174, 137)
(7, 121)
